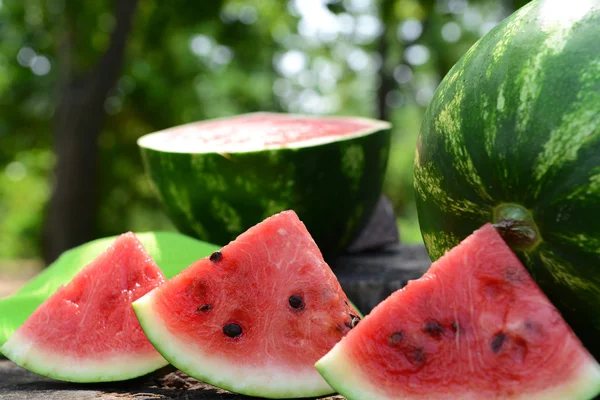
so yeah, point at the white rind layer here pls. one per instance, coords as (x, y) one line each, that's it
(157, 140)
(270, 381)
(346, 377)
(25, 353)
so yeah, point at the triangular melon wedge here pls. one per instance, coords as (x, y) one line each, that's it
(87, 330)
(171, 251)
(254, 317)
(475, 326)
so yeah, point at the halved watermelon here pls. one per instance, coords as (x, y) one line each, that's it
(254, 317)
(217, 178)
(87, 330)
(475, 326)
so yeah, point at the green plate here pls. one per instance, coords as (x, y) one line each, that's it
(171, 251)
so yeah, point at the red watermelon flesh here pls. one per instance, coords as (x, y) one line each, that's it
(475, 326)
(87, 331)
(254, 317)
(257, 131)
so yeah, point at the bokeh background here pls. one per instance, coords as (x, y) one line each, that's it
(81, 81)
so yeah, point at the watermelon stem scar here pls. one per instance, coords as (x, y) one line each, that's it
(516, 226)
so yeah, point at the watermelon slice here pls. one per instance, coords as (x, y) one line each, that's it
(254, 317)
(475, 326)
(87, 330)
(171, 251)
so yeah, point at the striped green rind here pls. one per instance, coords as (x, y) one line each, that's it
(333, 187)
(517, 120)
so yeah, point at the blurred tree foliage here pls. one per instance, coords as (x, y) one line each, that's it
(186, 61)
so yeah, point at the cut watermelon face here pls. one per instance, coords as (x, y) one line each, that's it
(475, 326)
(254, 317)
(257, 132)
(87, 330)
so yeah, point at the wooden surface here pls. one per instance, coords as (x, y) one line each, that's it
(18, 384)
(367, 277)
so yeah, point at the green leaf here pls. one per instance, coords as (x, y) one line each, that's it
(171, 251)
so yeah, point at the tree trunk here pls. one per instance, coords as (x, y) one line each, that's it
(71, 214)
(386, 79)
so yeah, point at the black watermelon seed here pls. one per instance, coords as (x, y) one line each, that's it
(395, 338)
(232, 330)
(216, 256)
(355, 319)
(296, 302)
(205, 308)
(416, 356)
(433, 329)
(497, 342)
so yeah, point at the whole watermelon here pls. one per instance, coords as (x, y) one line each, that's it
(512, 136)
